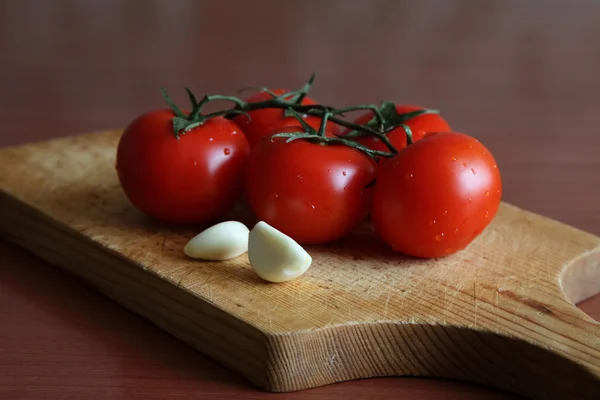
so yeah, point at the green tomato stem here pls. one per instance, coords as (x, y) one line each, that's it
(374, 109)
(385, 117)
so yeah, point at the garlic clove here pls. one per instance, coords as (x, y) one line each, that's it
(222, 241)
(274, 256)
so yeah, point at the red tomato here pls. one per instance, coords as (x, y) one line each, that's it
(195, 179)
(418, 125)
(313, 193)
(437, 195)
(264, 121)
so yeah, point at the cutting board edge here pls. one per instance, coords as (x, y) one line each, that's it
(487, 352)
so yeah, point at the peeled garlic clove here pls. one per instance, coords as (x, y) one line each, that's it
(219, 242)
(274, 256)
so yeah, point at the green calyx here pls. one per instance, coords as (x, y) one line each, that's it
(319, 136)
(183, 123)
(389, 119)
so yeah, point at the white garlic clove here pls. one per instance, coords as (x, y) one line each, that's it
(274, 256)
(222, 241)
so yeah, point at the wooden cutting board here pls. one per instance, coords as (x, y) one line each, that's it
(499, 313)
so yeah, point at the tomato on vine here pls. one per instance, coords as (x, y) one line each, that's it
(182, 168)
(437, 195)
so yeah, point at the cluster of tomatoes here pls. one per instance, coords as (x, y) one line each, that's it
(311, 172)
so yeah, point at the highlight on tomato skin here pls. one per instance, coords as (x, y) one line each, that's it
(265, 121)
(314, 193)
(191, 180)
(418, 125)
(437, 195)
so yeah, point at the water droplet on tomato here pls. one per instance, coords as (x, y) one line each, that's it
(439, 236)
(464, 164)
(495, 166)
(275, 195)
(344, 173)
(408, 175)
(210, 139)
(312, 206)
(432, 222)
(455, 230)
(487, 192)
(445, 212)
(470, 200)
(473, 171)
(487, 213)
(453, 158)
(345, 187)
(299, 177)
(328, 169)
(484, 153)
(226, 151)
(234, 132)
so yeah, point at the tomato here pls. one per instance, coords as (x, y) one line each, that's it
(264, 121)
(434, 197)
(314, 193)
(195, 179)
(418, 125)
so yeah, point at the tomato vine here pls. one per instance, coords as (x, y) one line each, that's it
(385, 117)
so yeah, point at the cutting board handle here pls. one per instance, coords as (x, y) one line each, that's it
(580, 279)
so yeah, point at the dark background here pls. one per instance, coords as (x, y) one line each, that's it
(521, 75)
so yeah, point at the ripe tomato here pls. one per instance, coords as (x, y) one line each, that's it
(194, 179)
(437, 195)
(419, 125)
(312, 192)
(264, 121)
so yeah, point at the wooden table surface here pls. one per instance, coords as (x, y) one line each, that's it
(522, 76)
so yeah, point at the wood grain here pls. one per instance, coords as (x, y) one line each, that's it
(493, 314)
(522, 76)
